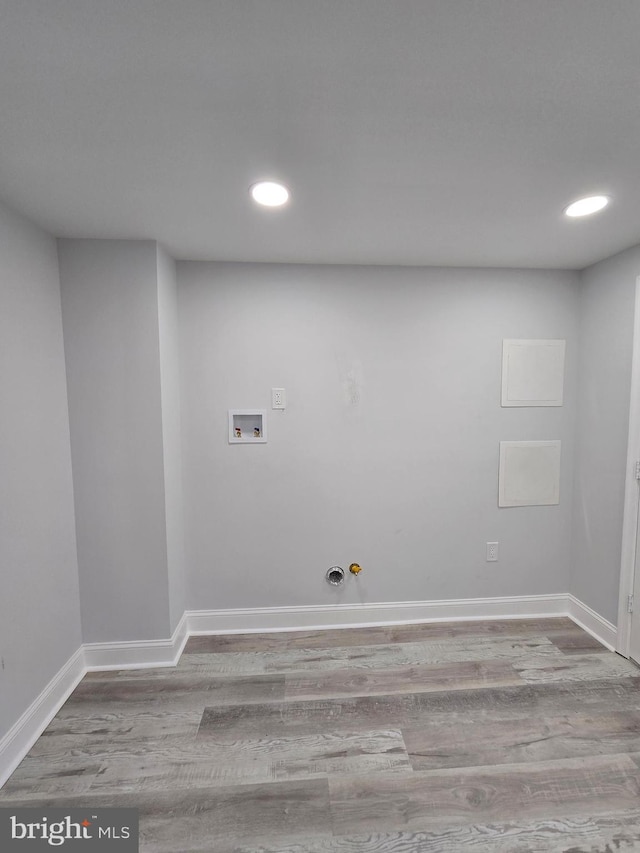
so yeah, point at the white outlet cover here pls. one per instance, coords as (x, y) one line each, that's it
(492, 552)
(529, 473)
(278, 398)
(532, 372)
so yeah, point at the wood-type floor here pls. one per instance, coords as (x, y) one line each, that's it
(476, 736)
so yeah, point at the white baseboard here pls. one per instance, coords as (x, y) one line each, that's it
(593, 623)
(25, 732)
(137, 654)
(319, 617)
(269, 619)
(155, 653)
(89, 657)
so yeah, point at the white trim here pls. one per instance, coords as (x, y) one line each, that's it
(322, 617)
(630, 517)
(593, 623)
(154, 653)
(25, 732)
(257, 619)
(136, 654)
(89, 657)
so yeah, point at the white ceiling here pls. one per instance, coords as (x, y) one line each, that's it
(440, 132)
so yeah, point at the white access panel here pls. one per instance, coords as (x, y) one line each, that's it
(529, 473)
(532, 372)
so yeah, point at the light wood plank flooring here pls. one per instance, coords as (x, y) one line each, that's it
(512, 736)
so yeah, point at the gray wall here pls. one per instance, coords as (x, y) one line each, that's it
(39, 603)
(388, 451)
(170, 388)
(110, 315)
(607, 296)
(386, 454)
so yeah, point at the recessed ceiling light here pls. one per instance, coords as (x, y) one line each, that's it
(585, 206)
(270, 194)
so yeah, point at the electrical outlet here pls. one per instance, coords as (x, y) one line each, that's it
(492, 552)
(278, 398)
